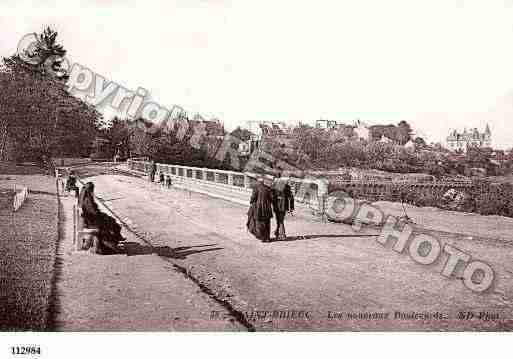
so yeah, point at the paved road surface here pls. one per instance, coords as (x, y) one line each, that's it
(325, 270)
(133, 291)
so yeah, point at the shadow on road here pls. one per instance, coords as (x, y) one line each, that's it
(135, 249)
(315, 236)
(110, 199)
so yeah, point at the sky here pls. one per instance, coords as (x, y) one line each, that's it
(439, 65)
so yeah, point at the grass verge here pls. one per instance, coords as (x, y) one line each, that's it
(28, 242)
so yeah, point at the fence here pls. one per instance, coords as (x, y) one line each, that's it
(68, 161)
(308, 192)
(384, 190)
(19, 197)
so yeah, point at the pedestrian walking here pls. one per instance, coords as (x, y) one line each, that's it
(61, 187)
(283, 202)
(153, 170)
(71, 183)
(169, 182)
(260, 210)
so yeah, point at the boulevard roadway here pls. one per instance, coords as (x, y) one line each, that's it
(324, 277)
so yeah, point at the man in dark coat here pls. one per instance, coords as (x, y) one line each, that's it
(260, 212)
(153, 170)
(283, 202)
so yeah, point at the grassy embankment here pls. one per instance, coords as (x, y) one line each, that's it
(28, 242)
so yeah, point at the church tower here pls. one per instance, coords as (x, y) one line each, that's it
(487, 141)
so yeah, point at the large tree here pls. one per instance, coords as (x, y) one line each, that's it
(44, 56)
(39, 118)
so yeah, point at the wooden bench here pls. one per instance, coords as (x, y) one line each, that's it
(85, 238)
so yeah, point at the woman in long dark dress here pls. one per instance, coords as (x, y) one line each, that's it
(260, 211)
(109, 229)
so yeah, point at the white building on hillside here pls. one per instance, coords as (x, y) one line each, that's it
(325, 124)
(461, 141)
(410, 145)
(385, 139)
(361, 130)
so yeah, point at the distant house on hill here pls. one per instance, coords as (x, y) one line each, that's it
(461, 141)
(209, 128)
(400, 133)
(357, 130)
(385, 139)
(242, 134)
(361, 130)
(247, 141)
(244, 148)
(326, 124)
(214, 128)
(267, 128)
(377, 132)
(410, 145)
(255, 129)
(346, 131)
(210, 132)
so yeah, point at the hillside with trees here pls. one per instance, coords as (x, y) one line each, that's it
(140, 138)
(319, 150)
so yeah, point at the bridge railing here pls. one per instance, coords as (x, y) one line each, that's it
(436, 184)
(308, 192)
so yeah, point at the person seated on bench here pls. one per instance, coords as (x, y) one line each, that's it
(109, 230)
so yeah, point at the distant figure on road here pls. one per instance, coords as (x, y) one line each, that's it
(110, 230)
(260, 210)
(60, 182)
(71, 183)
(169, 182)
(153, 170)
(283, 203)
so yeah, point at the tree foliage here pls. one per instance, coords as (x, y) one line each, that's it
(39, 118)
(318, 149)
(401, 133)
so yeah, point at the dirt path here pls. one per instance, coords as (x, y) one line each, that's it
(135, 291)
(323, 269)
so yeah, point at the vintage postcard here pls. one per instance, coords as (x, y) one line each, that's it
(231, 166)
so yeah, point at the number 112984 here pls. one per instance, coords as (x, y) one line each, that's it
(26, 350)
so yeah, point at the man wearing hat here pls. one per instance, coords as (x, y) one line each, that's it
(283, 203)
(260, 211)
(153, 170)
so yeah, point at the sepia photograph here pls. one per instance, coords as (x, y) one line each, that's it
(219, 166)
